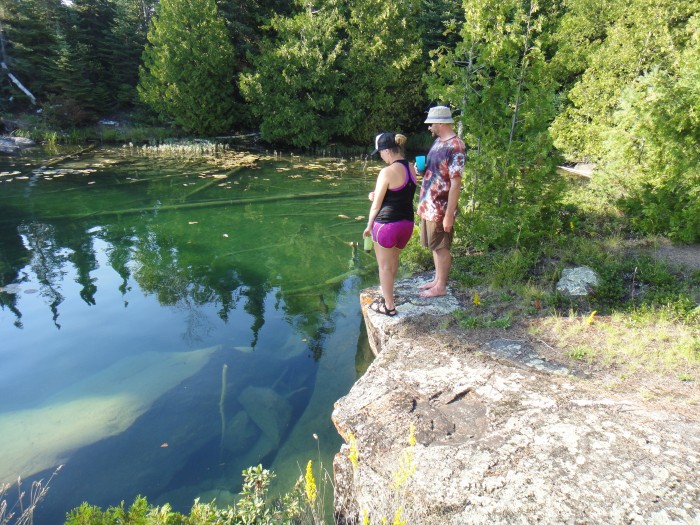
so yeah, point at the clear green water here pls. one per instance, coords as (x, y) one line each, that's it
(162, 329)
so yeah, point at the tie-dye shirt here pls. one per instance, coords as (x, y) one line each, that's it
(445, 161)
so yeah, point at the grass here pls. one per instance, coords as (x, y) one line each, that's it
(643, 317)
(629, 340)
(486, 320)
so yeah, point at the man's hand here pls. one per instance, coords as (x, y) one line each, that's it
(448, 222)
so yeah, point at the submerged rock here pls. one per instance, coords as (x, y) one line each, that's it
(241, 433)
(268, 410)
(102, 405)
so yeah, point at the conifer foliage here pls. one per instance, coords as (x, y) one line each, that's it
(295, 81)
(30, 47)
(337, 70)
(187, 72)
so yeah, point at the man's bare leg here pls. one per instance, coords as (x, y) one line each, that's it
(429, 285)
(443, 262)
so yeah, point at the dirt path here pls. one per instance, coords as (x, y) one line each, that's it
(688, 256)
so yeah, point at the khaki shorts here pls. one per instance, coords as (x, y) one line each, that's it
(433, 236)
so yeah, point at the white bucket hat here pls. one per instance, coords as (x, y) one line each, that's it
(439, 115)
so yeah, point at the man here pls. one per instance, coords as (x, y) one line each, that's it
(439, 195)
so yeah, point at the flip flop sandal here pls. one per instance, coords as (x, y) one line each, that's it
(379, 306)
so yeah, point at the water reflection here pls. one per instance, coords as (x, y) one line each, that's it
(121, 310)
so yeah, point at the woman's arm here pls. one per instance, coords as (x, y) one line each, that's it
(379, 192)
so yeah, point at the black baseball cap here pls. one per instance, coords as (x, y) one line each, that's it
(384, 140)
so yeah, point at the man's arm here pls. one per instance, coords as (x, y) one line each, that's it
(452, 200)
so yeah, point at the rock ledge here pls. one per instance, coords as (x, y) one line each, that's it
(502, 435)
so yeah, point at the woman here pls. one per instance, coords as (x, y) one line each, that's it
(390, 220)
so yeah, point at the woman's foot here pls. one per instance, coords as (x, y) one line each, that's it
(427, 286)
(380, 307)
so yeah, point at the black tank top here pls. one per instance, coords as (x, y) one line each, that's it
(398, 202)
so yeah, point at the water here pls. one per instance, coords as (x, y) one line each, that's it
(168, 320)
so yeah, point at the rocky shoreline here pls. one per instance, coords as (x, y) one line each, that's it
(14, 145)
(503, 434)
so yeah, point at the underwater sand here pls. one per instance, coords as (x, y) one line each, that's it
(102, 405)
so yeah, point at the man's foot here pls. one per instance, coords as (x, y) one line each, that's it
(427, 286)
(381, 308)
(434, 292)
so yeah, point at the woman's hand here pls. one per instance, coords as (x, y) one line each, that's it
(367, 232)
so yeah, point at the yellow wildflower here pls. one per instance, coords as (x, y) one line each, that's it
(589, 321)
(477, 299)
(412, 435)
(310, 483)
(397, 518)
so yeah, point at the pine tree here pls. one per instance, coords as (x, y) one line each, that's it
(187, 73)
(132, 18)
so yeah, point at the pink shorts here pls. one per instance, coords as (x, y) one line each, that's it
(392, 234)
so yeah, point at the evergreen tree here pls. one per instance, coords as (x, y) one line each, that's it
(383, 89)
(90, 41)
(132, 18)
(246, 21)
(337, 70)
(30, 36)
(632, 107)
(651, 156)
(498, 77)
(439, 23)
(638, 36)
(188, 66)
(297, 77)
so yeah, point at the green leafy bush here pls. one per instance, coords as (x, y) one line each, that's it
(253, 508)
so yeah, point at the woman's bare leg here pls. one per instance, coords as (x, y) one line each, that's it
(388, 261)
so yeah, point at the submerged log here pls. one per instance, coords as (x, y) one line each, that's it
(52, 162)
(203, 204)
(329, 282)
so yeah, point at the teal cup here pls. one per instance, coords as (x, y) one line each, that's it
(368, 243)
(420, 163)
